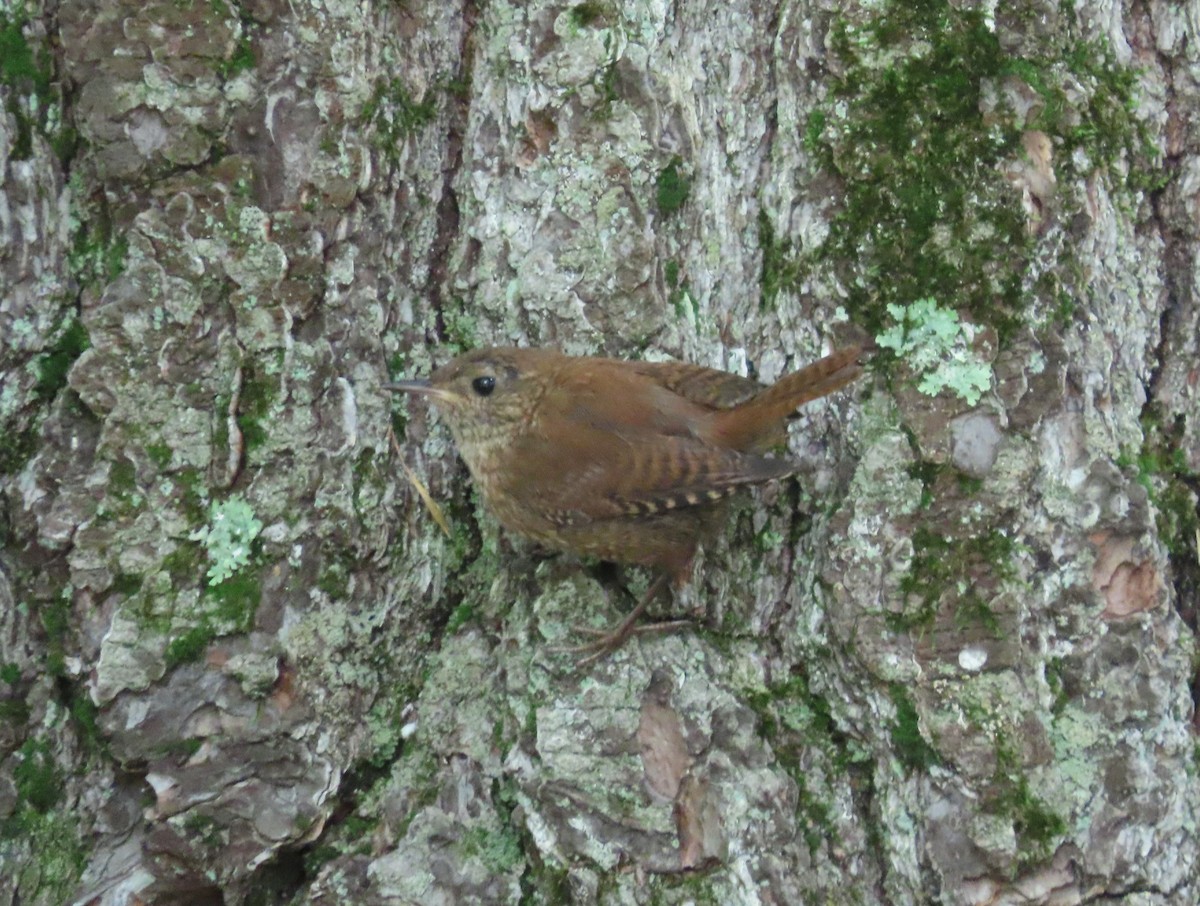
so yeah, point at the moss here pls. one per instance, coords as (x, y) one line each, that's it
(98, 252)
(671, 188)
(194, 495)
(241, 60)
(499, 850)
(1054, 670)
(392, 114)
(927, 209)
(190, 646)
(55, 615)
(160, 454)
(1036, 825)
(236, 599)
(205, 829)
(464, 613)
(57, 856)
(25, 69)
(36, 775)
(10, 673)
(15, 449)
(334, 581)
(84, 716)
(184, 564)
(794, 720)
(259, 391)
(587, 14)
(53, 365)
(458, 326)
(780, 268)
(126, 584)
(14, 711)
(178, 748)
(967, 568)
(1162, 469)
(910, 746)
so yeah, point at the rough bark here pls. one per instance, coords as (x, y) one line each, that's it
(950, 662)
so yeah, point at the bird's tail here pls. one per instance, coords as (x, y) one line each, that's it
(755, 421)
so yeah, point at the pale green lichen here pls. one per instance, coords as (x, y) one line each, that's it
(228, 537)
(936, 345)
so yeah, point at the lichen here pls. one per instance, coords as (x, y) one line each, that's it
(934, 343)
(228, 538)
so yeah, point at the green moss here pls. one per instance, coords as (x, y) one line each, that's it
(334, 581)
(780, 268)
(190, 646)
(1054, 679)
(85, 718)
(927, 473)
(184, 564)
(53, 365)
(819, 828)
(160, 454)
(393, 115)
(182, 749)
(1036, 825)
(98, 252)
(57, 855)
(680, 296)
(36, 775)
(795, 721)
(236, 599)
(1161, 467)
(55, 615)
(14, 711)
(25, 70)
(910, 746)
(194, 495)
(460, 327)
(259, 392)
(927, 209)
(241, 60)
(499, 850)
(671, 188)
(10, 673)
(586, 14)
(122, 478)
(15, 449)
(968, 568)
(464, 613)
(22, 67)
(127, 584)
(205, 829)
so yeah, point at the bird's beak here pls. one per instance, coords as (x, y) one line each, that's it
(423, 388)
(409, 387)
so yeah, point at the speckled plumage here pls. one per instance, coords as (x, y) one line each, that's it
(626, 461)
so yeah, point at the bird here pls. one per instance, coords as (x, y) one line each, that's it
(625, 461)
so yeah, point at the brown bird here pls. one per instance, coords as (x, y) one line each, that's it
(624, 461)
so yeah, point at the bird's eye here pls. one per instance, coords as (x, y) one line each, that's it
(483, 386)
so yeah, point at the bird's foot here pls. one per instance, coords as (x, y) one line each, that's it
(608, 641)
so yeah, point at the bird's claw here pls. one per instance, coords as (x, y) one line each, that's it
(609, 640)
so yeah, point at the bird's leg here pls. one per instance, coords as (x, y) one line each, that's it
(610, 641)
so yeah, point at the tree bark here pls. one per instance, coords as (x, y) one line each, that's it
(951, 661)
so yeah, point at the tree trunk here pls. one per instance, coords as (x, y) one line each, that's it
(951, 661)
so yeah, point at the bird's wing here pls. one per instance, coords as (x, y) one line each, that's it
(623, 444)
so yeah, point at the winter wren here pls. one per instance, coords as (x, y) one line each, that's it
(624, 461)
